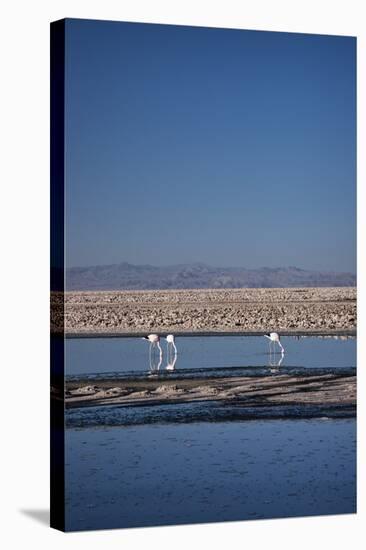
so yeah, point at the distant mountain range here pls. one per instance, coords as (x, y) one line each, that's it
(125, 276)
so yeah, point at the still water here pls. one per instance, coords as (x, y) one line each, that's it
(169, 474)
(135, 466)
(123, 356)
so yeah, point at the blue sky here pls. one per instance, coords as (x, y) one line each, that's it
(228, 147)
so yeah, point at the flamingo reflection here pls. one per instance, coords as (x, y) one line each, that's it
(171, 363)
(274, 365)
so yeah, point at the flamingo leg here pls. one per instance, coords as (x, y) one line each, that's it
(150, 355)
(160, 350)
(160, 354)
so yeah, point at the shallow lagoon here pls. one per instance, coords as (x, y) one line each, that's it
(125, 468)
(131, 355)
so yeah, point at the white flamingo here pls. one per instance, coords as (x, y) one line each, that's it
(170, 346)
(274, 337)
(170, 342)
(154, 340)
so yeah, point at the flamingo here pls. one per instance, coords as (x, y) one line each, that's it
(154, 340)
(274, 337)
(170, 345)
(170, 342)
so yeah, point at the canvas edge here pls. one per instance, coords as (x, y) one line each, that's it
(57, 286)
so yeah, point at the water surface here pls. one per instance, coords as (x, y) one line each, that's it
(199, 462)
(123, 356)
(171, 474)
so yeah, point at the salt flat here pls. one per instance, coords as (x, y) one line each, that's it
(249, 310)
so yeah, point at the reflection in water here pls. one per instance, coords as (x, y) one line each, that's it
(155, 358)
(171, 362)
(274, 362)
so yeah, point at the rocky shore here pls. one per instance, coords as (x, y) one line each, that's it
(293, 310)
(337, 390)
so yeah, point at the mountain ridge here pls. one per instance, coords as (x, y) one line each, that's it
(126, 276)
